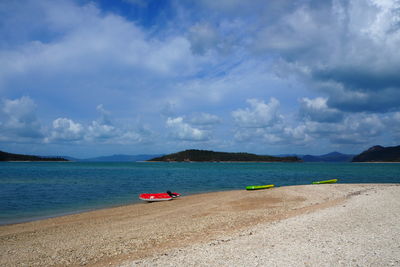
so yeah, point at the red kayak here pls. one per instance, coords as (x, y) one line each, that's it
(150, 197)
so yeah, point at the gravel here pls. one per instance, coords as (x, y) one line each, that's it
(311, 225)
(364, 230)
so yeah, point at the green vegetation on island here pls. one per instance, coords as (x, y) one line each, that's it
(4, 156)
(379, 154)
(211, 156)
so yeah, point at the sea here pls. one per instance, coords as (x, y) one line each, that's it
(36, 190)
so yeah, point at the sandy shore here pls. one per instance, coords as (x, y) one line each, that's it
(315, 225)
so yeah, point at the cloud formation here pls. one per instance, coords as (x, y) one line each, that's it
(341, 51)
(205, 119)
(18, 121)
(258, 115)
(65, 130)
(184, 131)
(317, 110)
(19, 124)
(283, 76)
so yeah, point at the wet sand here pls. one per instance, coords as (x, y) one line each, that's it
(141, 234)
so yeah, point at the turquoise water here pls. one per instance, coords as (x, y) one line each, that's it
(34, 190)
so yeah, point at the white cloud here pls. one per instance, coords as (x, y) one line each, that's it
(19, 124)
(205, 119)
(84, 43)
(104, 130)
(65, 130)
(184, 131)
(259, 114)
(262, 124)
(281, 134)
(169, 57)
(352, 45)
(98, 131)
(18, 121)
(202, 38)
(297, 135)
(229, 81)
(393, 122)
(104, 115)
(319, 124)
(317, 110)
(365, 125)
(327, 61)
(355, 129)
(294, 32)
(129, 137)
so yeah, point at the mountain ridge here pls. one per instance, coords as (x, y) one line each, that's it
(329, 157)
(375, 153)
(379, 154)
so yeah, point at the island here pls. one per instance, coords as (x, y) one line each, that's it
(5, 156)
(379, 154)
(194, 155)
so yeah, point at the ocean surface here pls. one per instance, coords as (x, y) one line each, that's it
(35, 190)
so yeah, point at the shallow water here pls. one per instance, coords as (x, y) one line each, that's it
(32, 190)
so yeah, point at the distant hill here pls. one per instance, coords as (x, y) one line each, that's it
(4, 156)
(330, 157)
(70, 158)
(211, 156)
(379, 154)
(121, 158)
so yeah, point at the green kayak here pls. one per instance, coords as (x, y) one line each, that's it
(256, 187)
(326, 182)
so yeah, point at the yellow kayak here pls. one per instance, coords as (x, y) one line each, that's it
(326, 182)
(256, 187)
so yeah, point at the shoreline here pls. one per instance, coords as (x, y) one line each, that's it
(70, 213)
(386, 162)
(212, 161)
(140, 230)
(360, 230)
(100, 208)
(136, 202)
(112, 206)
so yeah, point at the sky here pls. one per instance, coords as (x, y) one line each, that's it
(90, 78)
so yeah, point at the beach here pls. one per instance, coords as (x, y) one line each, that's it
(311, 225)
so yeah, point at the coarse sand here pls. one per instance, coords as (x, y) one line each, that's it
(313, 225)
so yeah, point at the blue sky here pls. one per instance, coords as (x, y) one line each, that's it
(89, 78)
